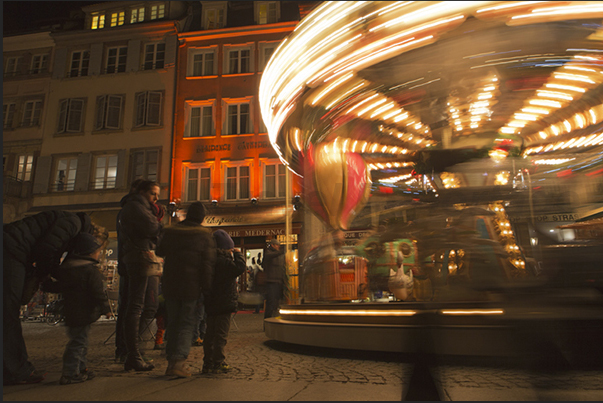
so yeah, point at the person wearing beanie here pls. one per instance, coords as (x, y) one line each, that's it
(79, 280)
(189, 253)
(42, 239)
(221, 302)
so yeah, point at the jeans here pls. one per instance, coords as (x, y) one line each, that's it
(181, 314)
(201, 320)
(15, 360)
(142, 294)
(216, 338)
(74, 358)
(274, 293)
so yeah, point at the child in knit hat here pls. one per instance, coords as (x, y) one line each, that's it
(80, 282)
(221, 302)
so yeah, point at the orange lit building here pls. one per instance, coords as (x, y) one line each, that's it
(221, 152)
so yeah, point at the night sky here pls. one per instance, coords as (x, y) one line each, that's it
(24, 16)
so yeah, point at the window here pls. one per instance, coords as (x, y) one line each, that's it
(214, 15)
(148, 108)
(25, 167)
(79, 63)
(200, 121)
(98, 21)
(154, 56)
(137, 15)
(266, 12)
(12, 66)
(71, 113)
(237, 182)
(157, 11)
(8, 115)
(105, 172)
(108, 112)
(202, 63)
(118, 18)
(266, 51)
(31, 113)
(39, 64)
(274, 181)
(237, 120)
(145, 165)
(64, 179)
(238, 61)
(116, 59)
(198, 183)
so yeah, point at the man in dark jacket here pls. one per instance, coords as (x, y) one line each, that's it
(189, 252)
(140, 230)
(221, 302)
(80, 282)
(32, 248)
(274, 266)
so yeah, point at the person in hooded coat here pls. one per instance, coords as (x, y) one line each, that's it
(32, 249)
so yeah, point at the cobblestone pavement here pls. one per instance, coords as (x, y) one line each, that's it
(254, 357)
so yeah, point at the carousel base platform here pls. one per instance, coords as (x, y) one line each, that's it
(460, 329)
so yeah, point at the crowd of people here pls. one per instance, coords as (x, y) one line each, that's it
(183, 276)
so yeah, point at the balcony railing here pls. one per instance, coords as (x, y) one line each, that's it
(14, 187)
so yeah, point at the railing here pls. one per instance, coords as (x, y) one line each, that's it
(14, 187)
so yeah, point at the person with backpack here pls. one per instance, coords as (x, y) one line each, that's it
(274, 267)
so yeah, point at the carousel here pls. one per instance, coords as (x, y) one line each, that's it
(464, 141)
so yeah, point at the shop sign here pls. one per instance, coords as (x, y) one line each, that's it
(256, 232)
(272, 216)
(243, 145)
(563, 217)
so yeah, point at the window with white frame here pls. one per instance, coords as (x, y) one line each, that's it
(154, 56)
(12, 66)
(105, 172)
(148, 108)
(274, 180)
(202, 62)
(266, 51)
(31, 113)
(25, 167)
(80, 61)
(266, 12)
(39, 64)
(118, 18)
(108, 112)
(136, 15)
(239, 60)
(238, 182)
(98, 21)
(198, 183)
(64, 177)
(200, 119)
(116, 59)
(71, 114)
(144, 165)
(8, 114)
(158, 11)
(214, 14)
(238, 119)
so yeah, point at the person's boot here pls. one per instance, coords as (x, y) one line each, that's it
(135, 362)
(170, 368)
(180, 369)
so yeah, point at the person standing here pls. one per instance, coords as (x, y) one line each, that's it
(221, 302)
(32, 249)
(274, 266)
(80, 282)
(189, 251)
(140, 230)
